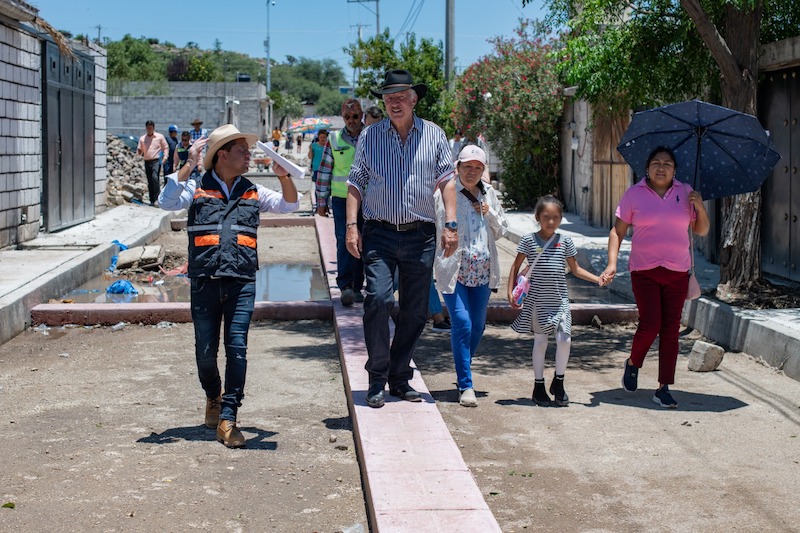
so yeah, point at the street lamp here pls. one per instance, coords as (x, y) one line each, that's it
(266, 46)
(269, 81)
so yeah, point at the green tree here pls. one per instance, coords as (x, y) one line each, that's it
(133, 59)
(424, 60)
(285, 105)
(326, 73)
(622, 54)
(513, 95)
(202, 67)
(330, 103)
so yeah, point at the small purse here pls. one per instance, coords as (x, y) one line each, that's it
(694, 287)
(693, 292)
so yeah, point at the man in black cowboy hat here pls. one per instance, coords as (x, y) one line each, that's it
(399, 164)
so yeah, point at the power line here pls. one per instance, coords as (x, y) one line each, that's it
(419, 10)
(405, 22)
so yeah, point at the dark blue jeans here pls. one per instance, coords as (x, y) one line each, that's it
(350, 270)
(411, 253)
(231, 301)
(152, 169)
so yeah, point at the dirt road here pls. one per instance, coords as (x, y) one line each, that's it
(727, 460)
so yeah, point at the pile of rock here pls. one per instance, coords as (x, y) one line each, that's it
(125, 169)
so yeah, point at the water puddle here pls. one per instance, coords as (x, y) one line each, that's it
(274, 283)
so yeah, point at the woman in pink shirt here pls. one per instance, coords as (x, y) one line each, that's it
(660, 209)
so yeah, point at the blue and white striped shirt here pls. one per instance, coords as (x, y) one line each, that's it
(397, 181)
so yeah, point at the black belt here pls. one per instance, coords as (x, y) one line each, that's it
(400, 227)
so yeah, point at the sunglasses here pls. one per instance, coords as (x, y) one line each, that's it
(354, 115)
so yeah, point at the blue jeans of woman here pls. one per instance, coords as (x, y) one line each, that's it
(411, 253)
(230, 301)
(467, 307)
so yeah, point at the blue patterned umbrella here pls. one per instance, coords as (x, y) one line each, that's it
(308, 124)
(719, 152)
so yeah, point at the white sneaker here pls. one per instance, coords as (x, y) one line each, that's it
(467, 398)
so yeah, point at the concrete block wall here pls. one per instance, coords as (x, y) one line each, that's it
(181, 102)
(20, 135)
(99, 55)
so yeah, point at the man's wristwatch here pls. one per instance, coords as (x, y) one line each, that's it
(453, 225)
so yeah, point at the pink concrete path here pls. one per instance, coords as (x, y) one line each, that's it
(414, 476)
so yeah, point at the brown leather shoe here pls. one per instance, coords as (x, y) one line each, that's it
(229, 435)
(213, 408)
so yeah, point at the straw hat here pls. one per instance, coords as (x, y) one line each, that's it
(222, 135)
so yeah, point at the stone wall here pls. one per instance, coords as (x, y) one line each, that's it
(20, 135)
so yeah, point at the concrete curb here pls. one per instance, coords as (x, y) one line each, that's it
(15, 314)
(745, 331)
(153, 313)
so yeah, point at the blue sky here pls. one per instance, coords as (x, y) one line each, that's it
(316, 29)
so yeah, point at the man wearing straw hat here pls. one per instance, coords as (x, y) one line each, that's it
(223, 226)
(399, 164)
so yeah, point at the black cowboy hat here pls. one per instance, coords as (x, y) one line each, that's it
(399, 80)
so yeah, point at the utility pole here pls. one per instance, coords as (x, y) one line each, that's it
(377, 12)
(359, 26)
(450, 45)
(99, 27)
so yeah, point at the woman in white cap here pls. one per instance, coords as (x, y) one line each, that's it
(467, 277)
(224, 209)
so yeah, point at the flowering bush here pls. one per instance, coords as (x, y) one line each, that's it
(513, 97)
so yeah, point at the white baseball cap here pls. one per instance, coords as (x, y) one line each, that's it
(472, 153)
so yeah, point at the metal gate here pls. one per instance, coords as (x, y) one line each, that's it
(779, 107)
(68, 137)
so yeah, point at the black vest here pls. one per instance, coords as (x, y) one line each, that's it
(223, 232)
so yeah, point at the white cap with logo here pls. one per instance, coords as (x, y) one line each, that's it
(472, 153)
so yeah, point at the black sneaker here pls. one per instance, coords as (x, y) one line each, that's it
(444, 325)
(359, 297)
(630, 379)
(663, 398)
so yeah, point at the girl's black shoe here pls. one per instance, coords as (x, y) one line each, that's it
(558, 392)
(539, 395)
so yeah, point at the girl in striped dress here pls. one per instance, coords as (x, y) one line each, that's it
(545, 310)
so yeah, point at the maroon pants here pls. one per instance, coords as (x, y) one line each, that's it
(659, 294)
